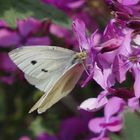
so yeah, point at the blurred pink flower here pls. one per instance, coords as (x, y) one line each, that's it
(128, 2)
(45, 136)
(24, 138)
(9, 37)
(66, 5)
(25, 34)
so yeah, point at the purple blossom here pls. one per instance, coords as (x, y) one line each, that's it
(37, 40)
(72, 127)
(28, 36)
(8, 37)
(134, 103)
(24, 138)
(112, 121)
(94, 104)
(100, 69)
(20, 36)
(66, 5)
(6, 63)
(126, 12)
(31, 25)
(128, 2)
(45, 136)
(107, 50)
(3, 23)
(128, 59)
(8, 69)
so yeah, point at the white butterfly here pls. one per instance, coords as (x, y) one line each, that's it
(51, 69)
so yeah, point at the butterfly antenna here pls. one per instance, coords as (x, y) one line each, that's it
(80, 48)
(87, 79)
(85, 69)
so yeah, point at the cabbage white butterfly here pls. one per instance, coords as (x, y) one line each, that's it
(53, 70)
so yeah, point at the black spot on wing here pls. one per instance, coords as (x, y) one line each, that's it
(33, 62)
(44, 70)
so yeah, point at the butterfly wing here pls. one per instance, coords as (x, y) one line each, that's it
(42, 65)
(63, 86)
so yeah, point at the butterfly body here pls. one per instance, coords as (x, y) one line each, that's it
(51, 69)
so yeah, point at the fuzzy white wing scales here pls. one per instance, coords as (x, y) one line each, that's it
(41, 61)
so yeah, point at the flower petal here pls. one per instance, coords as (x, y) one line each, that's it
(59, 31)
(104, 77)
(120, 68)
(31, 25)
(45, 136)
(125, 48)
(6, 63)
(136, 73)
(114, 106)
(115, 124)
(38, 41)
(134, 103)
(94, 104)
(71, 128)
(89, 104)
(75, 4)
(128, 2)
(8, 38)
(95, 125)
(80, 33)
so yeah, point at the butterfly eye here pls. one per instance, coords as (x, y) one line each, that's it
(44, 70)
(33, 62)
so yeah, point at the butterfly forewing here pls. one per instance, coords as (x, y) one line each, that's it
(41, 61)
(42, 65)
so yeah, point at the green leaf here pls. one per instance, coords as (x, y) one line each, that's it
(2, 104)
(131, 126)
(115, 137)
(11, 10)
(37, 126)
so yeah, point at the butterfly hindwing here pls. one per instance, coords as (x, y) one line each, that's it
(63, 86)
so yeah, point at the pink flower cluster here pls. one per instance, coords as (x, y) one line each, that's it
(109, 63)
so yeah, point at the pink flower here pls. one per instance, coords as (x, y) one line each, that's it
(85, 43)
(112, 121)
(126, 60)
(94, 104)
(9, 37)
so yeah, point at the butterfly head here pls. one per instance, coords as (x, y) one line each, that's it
(81, 55)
